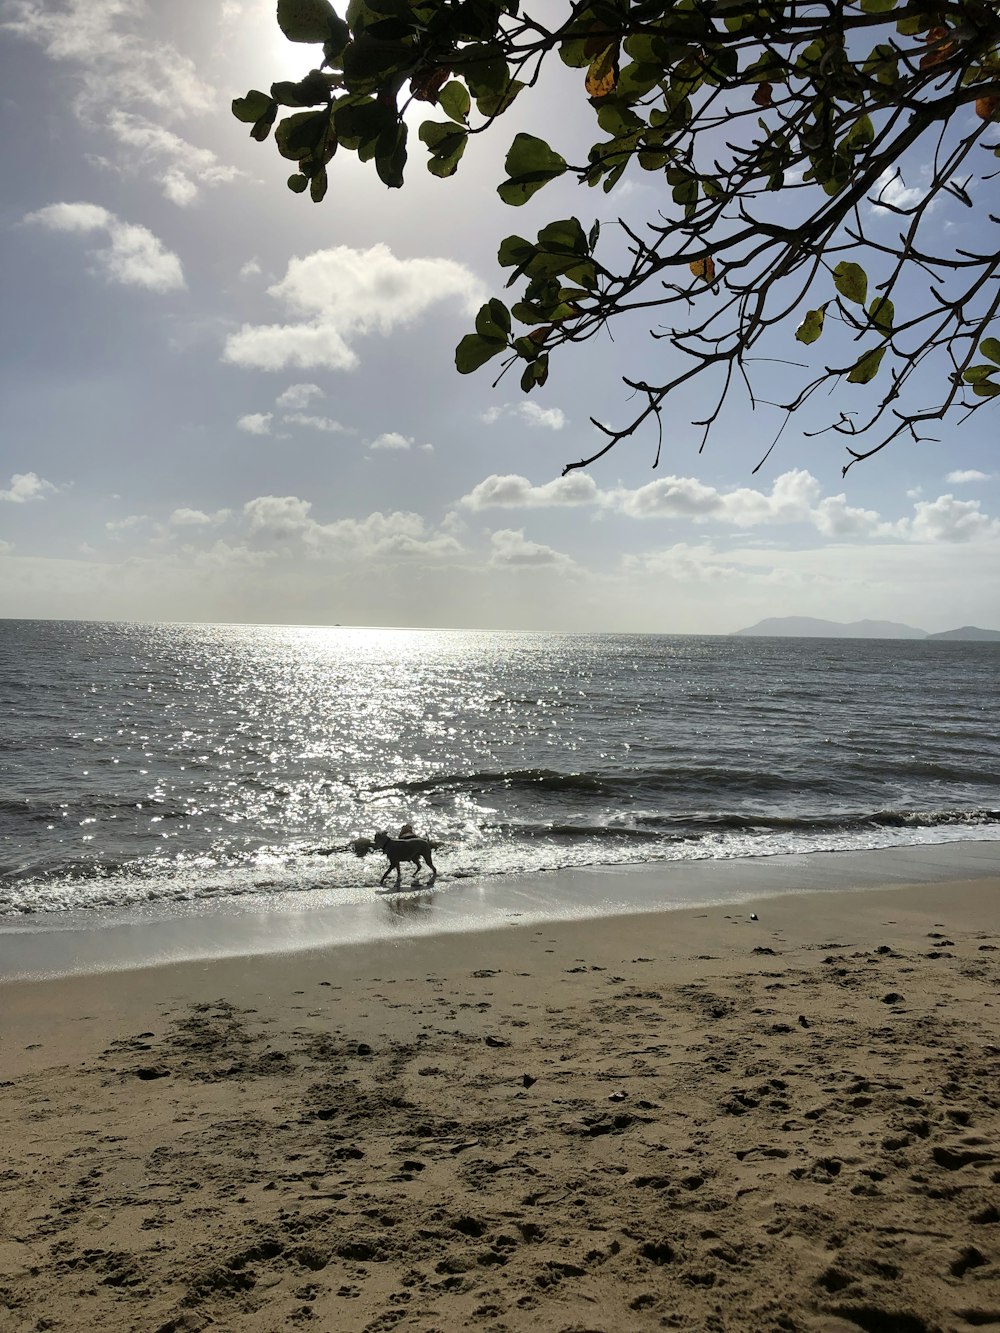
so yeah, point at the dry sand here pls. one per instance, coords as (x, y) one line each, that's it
(687, 1121)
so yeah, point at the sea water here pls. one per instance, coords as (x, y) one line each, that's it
(196, 764)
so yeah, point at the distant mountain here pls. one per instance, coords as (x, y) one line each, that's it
(969, 632)
(806, 627)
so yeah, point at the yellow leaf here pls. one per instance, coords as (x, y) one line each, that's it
(703, 268)
(602, 75)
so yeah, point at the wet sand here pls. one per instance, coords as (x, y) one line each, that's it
(690, 1120)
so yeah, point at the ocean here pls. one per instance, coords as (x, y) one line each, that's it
(169, 763)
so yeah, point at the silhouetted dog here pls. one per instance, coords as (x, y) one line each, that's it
(404, 849)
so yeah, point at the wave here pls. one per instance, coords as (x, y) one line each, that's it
(687, 779)
(514, 846)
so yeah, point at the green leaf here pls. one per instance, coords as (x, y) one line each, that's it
(447, 142)
(530, 164)
(454, 100)
(877, 6)
(317, 186)
(306, 20)
(301, 135)
(851, 281)
(310, 91)
(262, 127)
(535, 372)
(866, 367)
(361, 123)
(565, 237)
(883, 64)
(860, 136)
(881, 312)
(812, 326)
(500, 315)
(636, 80)
(991, 347)
(298, 183)
(492, 104)
(488, 327)
(986, 389)
(485, 70)
(474, 351)
(390, 156)
(976, 374)
(514, 252)
(252, 107)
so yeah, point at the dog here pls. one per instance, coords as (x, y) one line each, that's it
(404, 849)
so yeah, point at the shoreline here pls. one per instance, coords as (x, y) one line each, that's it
(690, 1119)
(56, 944)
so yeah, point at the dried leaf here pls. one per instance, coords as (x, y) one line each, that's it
(426, 85)
(763, 95)
(703, 268)
(987, 107)
(941, 53)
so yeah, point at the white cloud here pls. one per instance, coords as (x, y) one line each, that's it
(256, 423)
(277, 515)
(135, 257)
(184, 169)
(117, 526)
(891, 189)
(512, 550)
(250, 269)
(6, 547)
(337, 295)
(962, 477)
(949, 520)
(315, 423)
(515, 492)
(834, 517)
(297, 397)
(391, 439)
(552, 418)
(25, 486)
(221, 556)
(794, 498)
(791, 499)
(197, 518)
(402, 535)
(115, 66)
(685, 563)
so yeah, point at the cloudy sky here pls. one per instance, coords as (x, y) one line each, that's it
(222, 402)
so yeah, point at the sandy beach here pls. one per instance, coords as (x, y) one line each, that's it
(685, 1120)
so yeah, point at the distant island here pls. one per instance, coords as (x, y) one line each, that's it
(807, 627)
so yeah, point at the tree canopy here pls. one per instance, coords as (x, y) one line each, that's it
(779, 131)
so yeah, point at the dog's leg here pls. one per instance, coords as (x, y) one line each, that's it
(387, 869)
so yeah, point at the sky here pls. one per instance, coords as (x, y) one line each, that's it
(221, 402)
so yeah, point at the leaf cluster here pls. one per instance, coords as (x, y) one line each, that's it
(777, 129)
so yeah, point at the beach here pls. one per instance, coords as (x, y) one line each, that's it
(778, 1114)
